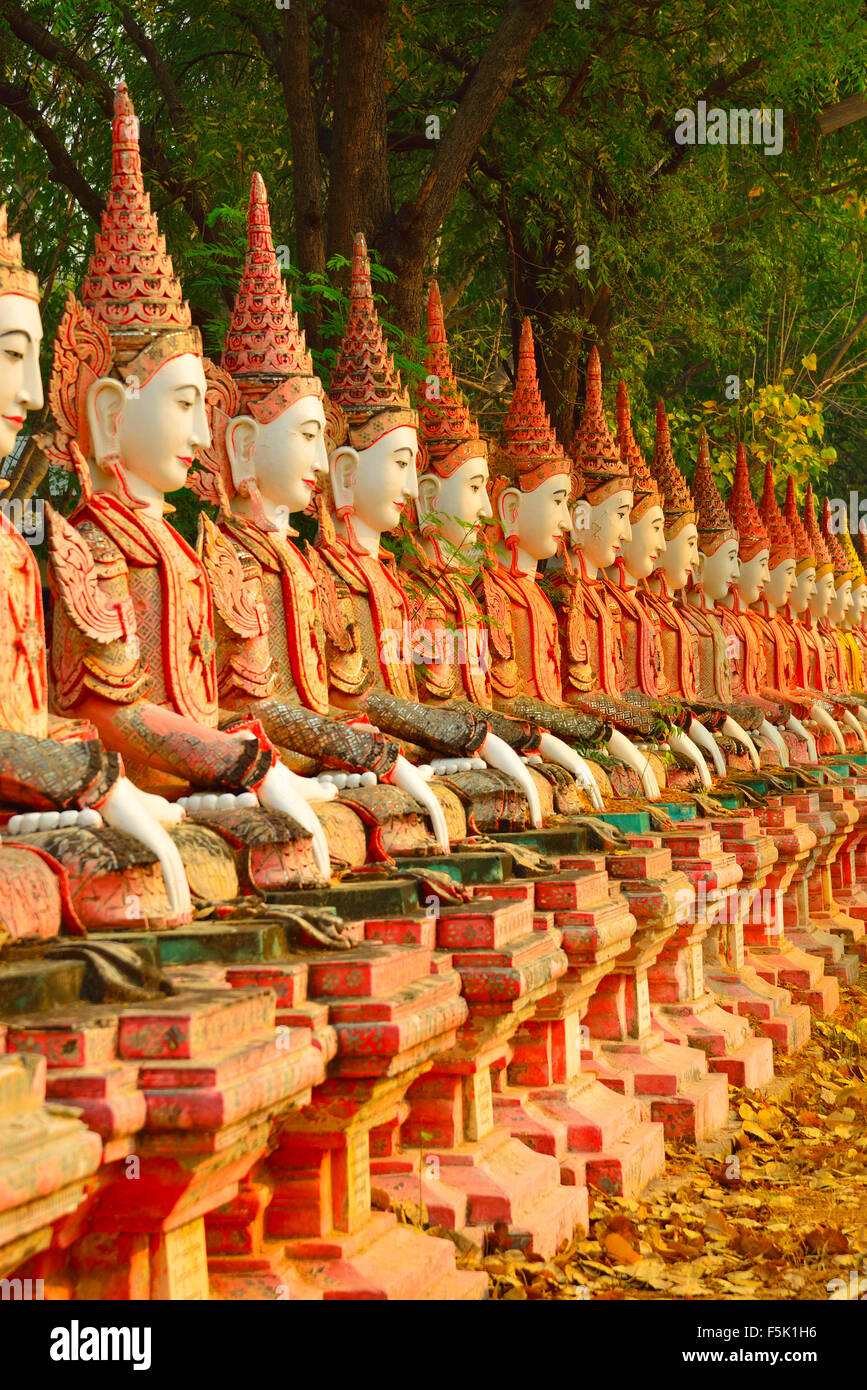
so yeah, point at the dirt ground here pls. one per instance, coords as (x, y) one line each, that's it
(781, 1216)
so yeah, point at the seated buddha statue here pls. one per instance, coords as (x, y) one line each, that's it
(55, 774)
(271, 602)
(851, 630)
(133, 648)
(445, 554)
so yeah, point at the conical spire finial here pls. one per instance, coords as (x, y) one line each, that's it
(130, 286)
(599, 467)
(528, 450)
(752, 535)
(449, 435)
(856, 568)
(842, 572)
(645, 492)
(677, 500)
(824, 563)
(713, 521)
(804, 553)
(265, 352)
(779, 535)
(365, 384)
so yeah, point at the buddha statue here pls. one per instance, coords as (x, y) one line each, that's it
(271, 603)
(532, 485)
(832, 629)
(133, 644)
(852, 622)
(55, 774)
(373, 482)
(445, 553)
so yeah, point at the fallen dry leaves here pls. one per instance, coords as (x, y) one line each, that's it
(780, 1218)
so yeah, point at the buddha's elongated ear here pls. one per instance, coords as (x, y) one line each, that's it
(343, 470)
(105, 402)
(508, 510)
(241, 436)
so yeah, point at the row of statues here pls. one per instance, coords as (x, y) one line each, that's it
(556, 619)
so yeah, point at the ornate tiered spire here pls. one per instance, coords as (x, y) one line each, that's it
(131, 288)
(782, 542)
(804, 553)
(600, 470)
(365, 384)
(855, 566)
(862, 538)
(644, 490)
(824, 563)
(842, 572)
(449, 436)
(714, 523)
(14, 279)
(752, 536)
(265, 351)
(528, 451)
(677, 500)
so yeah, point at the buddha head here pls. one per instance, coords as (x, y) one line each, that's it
(754, 546)
(820, 601)
(373, 429)
(804, 586)
(531, 474)
(646, 543)
(858, 606)
(453, 472)
(841, 599)
(128, 384)
(782, 562)
(266, 405)
(680, 559)
(719, 566)
(601, 517)
(20, 338)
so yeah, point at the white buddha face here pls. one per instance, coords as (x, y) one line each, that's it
(540, 517)
(719, 571)
(821, 601)
(781, 583)
(752, 577)
(286, 456)
(681, 556)
(20, 382)
(456, 505)
(859, 605)
(379, 481)
(803, 590)
(600, 531)
(645, 544)
(156, 429)
(841, 603)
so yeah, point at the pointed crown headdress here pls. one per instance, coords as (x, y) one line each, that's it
(449, 437)
(366, 398)
(599, 467)
(677, 500)
(715, 526)
(645, 492)
(824, 563)
(779, 535)
(132, 317)
(804, 553)
(752, 536)
(839, 560)
(528, 451)
(265, 366)
(14, 278)
(856, 568)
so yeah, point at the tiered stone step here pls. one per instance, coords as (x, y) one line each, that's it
(45, 1162)
(476, 1173)
(685, 1011)
(807, 913)
(672, 1080)
(775, 958)
(735, 982)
